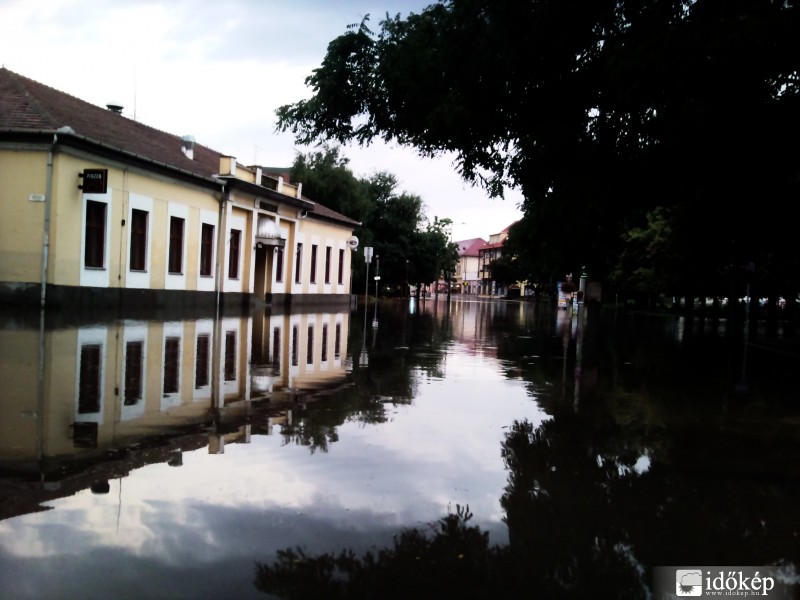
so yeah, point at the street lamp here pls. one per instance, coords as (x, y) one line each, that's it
(367, 259)
(377, 279)
(405, 290)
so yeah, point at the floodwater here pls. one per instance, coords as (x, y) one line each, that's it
(476, 449)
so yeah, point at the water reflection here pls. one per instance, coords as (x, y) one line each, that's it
(86, 403)
(588, 447)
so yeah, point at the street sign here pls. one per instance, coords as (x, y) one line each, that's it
(377, 277)
(368, 253)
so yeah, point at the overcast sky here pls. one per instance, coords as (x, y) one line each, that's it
(218, 70)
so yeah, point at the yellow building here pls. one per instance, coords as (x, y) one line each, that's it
(98, 210)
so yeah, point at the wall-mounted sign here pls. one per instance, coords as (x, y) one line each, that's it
(352, 243)
(95, 181)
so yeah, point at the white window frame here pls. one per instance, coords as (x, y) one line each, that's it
(139, 279)
(95, 276)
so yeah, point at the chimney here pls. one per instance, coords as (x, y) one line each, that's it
(299, 190)
(187, 146)
(227, 166)
(114, 107)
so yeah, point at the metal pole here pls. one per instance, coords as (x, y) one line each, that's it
(366, 289)
(377, 279)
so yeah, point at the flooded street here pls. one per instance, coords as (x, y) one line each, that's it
(181, 458)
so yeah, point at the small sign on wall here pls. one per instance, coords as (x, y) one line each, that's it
(95, 181)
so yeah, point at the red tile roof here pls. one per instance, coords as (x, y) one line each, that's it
(27, 105)
(470, 247)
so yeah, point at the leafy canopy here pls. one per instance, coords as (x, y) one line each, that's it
(600, 111)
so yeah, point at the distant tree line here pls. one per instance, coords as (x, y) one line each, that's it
(654, 141)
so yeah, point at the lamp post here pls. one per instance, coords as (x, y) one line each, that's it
(367, 259)
(406, 290)
(363, 358)
(377, 279)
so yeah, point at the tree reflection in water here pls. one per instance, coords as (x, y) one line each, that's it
(642, 469)
(453, 559)
(586, 517)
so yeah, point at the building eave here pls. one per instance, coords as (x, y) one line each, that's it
(103, 150)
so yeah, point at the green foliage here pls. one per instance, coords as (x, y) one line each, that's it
(599, 112)
(506, 270)
(647, 263)
(392, 222)
(452, 560)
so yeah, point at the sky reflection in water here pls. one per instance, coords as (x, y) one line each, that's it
(422, 429)
(442, 449)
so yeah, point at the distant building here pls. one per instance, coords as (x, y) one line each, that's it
(101, 210)
(490, 252)
(467, 275)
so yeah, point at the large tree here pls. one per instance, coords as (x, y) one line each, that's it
(601, 111)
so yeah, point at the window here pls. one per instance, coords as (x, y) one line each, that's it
(172, 356)
(313, 276)
(310, 346)
(233, 256)
(138, 258)
(294, 345)
(230, 356)
(84, 434)
(95, 247)
(337, 341)
(89, 383)
(206, 250)
(276, 346)
(341, 267)
(324, 342)
(176, 245)
(328, 264)
(134, 353)
(278, 265)
(202, 361)
(298, 263)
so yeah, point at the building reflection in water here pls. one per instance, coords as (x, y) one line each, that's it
(85, 404)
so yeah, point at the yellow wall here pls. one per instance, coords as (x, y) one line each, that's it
(66, 259)
(22, 173)
(323, 235)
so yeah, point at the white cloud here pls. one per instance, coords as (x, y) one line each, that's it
(218, 71)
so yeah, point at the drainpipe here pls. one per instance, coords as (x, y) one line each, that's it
(223, 203)
(48, 201)
(216, 392)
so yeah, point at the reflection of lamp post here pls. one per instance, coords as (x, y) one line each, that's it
(582, 285)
